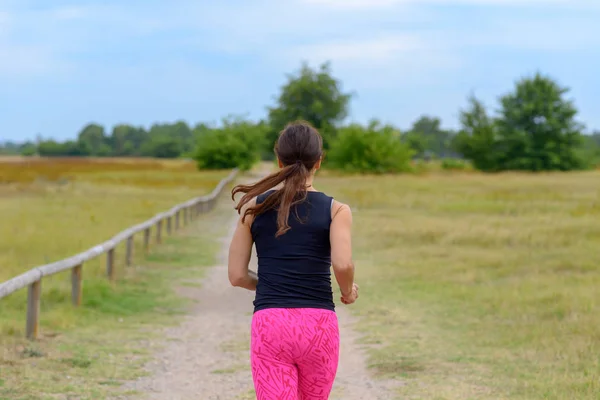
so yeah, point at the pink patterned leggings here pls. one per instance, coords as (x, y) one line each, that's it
(294, 353)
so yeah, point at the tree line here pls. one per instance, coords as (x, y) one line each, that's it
(169, 140)
(535, 129)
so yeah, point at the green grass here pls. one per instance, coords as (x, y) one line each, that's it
(479, 286)
(88, 352)
(112, 335)
(46, 221)
(472, 287)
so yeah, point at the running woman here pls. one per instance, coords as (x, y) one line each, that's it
(299, 233)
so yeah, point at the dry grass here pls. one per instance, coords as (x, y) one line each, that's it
(78, 204)
(139, 172)
(479, 287)
(88, 352)
(115, 333)
(473, 286)
(56, 208)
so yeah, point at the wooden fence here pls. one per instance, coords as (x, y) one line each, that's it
(169, 221)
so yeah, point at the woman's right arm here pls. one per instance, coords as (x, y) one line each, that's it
(341, 248)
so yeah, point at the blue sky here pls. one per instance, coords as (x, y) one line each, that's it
(64, 64)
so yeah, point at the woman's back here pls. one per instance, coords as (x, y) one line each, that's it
(294, 268)
(299, 235)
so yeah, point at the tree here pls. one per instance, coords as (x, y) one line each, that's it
(426, 137)
(595, 138)
(311, 95)
(28, 149)
(371, 149)
(126, 140)
(590, 149)
(537, 127)
(177, 138)
(184, 135)
(535, 130)
(477, 139)
(162, 147)
(70, 148)
(92, 137)
(237, 144)
(9, 148)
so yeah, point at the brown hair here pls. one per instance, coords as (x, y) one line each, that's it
(299, 148)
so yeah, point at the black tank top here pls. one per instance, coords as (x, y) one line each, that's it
(294, 268)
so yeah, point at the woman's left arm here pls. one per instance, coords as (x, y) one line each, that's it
(240, 252)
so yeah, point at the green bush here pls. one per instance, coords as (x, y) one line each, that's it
(237, 144)
(589, 150)
(371, 149)
(162, 147)
(453, 164)
(28, 150)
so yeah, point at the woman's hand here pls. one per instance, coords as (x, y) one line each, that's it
(352, 296)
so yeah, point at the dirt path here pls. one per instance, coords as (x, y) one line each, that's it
(206, 357)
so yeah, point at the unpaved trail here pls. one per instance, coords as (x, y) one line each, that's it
(207, 356)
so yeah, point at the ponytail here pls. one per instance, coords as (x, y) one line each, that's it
(293, 192)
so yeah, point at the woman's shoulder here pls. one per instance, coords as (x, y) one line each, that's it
(339, 209)
(336, 204)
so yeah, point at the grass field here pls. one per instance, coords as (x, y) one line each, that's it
(116, 331)
(472, 286)
(53, 209)
(479, 286)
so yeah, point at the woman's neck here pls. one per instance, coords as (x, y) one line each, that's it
(309, 184)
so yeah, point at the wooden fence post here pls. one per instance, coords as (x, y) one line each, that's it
(159, 231)
(76, 285)
(110, 264)
(177, 220)
(146, 239)
(33, 309)
(129, 250)
(169, 225)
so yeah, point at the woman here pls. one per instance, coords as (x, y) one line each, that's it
(299, 234)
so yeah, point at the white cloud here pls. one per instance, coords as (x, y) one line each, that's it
(42, 42)
(367, 4)
(4, 17)
(373, 51)
(355, 3)
(402, 37)
(5, 22)
(378, 62)
(27, 58)
(69, 13)
(26, 61)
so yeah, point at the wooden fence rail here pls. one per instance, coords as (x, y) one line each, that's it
(32, 279)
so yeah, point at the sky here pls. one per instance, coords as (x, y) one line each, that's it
(64, 64)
